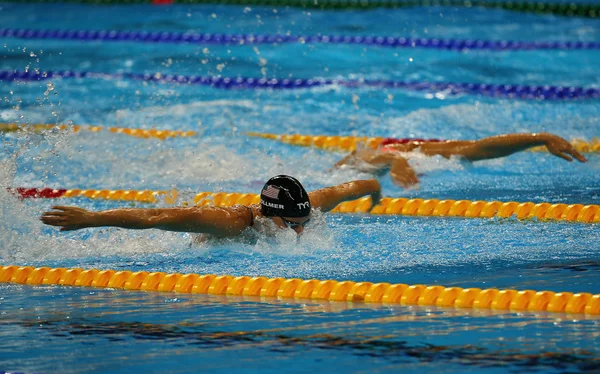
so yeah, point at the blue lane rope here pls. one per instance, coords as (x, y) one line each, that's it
(493, 90)
(250, 39)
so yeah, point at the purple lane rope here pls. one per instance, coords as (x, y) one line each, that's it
(492, 90)
(250, 39)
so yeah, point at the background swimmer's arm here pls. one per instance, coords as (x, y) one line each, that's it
(328, 198)
(372, 157)
(350, 159)
(503, 145)
(402, 173)
(210, 220)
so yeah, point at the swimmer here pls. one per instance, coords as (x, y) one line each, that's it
(283, 201)
(389, 154)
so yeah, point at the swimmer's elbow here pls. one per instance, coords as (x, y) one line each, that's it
(175, 219)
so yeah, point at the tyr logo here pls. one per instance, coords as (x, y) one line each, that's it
(305, 204)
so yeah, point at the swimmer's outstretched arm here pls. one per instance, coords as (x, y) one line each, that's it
(503, 145)
(328, 198)
(209, 220)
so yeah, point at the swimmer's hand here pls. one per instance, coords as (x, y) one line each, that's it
(68, 218)
(403, 174)
(562, 148)
(375, 197)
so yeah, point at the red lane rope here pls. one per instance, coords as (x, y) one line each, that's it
(37, 193)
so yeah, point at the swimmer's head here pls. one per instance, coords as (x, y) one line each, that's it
(285, 200)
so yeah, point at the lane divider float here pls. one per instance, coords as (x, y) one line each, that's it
(349, 143)
(294, 288)
(387, 206)
(509, 91)
(252, 39)
(142, 196)
(563, 8)
(138, 133)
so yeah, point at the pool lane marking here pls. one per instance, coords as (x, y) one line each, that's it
(171, 37)
(388, 206)
(138, 133)
(295, 288)
(349, 143)
(441, 89)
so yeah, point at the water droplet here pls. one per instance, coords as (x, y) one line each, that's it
(49, 88)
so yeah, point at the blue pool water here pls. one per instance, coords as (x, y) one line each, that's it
(62, 329)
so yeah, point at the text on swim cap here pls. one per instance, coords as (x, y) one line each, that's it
(305, 204)
(271, 205)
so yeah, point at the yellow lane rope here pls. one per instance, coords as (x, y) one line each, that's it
(403, 294)
(348, 143)
(334, 143)
(138, 133)
(387, 206)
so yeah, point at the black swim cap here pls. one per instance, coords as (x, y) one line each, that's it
(284, 196)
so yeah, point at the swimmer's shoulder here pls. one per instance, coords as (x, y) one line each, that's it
(239, 215)
(248, 213)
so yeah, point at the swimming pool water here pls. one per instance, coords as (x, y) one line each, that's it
(62, 329)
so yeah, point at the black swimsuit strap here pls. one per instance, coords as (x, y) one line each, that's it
(251, 216)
